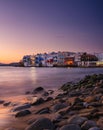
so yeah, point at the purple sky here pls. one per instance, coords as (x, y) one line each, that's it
(32, 26)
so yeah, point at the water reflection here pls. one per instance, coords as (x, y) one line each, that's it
(17, 80)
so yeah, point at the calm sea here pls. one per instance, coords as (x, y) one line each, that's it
(18, 80)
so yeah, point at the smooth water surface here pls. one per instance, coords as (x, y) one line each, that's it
(17, 80)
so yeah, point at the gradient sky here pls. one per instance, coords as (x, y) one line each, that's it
(32, 26)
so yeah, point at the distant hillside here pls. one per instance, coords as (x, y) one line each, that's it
(11, 64)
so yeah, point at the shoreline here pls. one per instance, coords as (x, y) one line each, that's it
(81, 101)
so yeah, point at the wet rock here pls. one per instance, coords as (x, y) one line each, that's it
(49, 99)
(2, 101)
(77, 120)
(97, 114)
(22, 113)
(61, 95)
(37, 90)
(28, 92)
(74, 94)
(43, 111)
(100, 122)
(19, 108)
(59, 106)
(74, 100)
(85, 104)
(57, 119)
(88, 124)
(45, 94)
(90, 99)
(7, 103)
(50, 91)
(41, 124)
(38, 101)
(95, 104)
(70, 127)
(67, 86)
(31, 121)
(94, 128)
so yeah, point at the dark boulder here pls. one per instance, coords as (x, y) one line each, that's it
(70, 127)
(77, 120)
(38, 101)
(43, 111)
(49, 99)
(7, 103)
(22, 113)
(37, 90)
(41, 124)
(100, 122)
(27, 92)
(2, 101)
(19, 108)
(45, 94)
(88, 124)
(59, 106)
(94, 128)
(50, 91)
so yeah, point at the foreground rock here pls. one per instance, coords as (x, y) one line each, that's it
(2, 101)
(88, 124)
(38, 90)
(43, 111)
(38, 101)
(22, 113)
(41, 124)
(78, 107)
(19, 108)
(70, 127)
(77, 120)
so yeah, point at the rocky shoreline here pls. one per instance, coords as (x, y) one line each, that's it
(77, 106)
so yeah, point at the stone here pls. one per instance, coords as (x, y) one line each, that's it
(77, 120)
(38, 101)
(2, 101)
(95, 104)
(59, 106)
(27, 92)
(31, 121)
(94, 128)
(88, 124)
(37, 90)
(50, 91)
(57, 118)
(19, 108)
(49, 99)
(43, 111)
(61, 95)
(7, 103)
(45, 94)
(74, 94)
(85, 104)
(90, 99)
(70, 127)
(100, 122)
(41, 124)
(22, 113)
(74, 100)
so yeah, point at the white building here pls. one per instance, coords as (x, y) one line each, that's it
(100, 59)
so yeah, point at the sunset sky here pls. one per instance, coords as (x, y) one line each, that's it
(32, 26)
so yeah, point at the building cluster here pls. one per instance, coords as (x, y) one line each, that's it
(62, 59)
